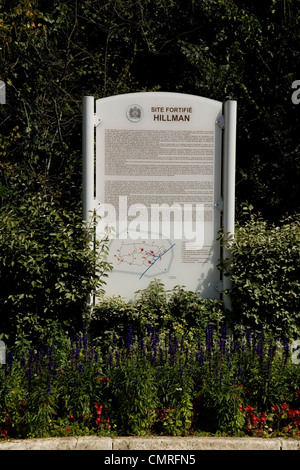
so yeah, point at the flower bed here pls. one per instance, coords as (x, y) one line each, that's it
(216, 384)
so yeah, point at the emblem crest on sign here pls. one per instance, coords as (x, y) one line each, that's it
(134, 113)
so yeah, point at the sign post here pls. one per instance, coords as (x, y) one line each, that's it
(2, 92)
(88, 152)
(2, 352)
(229, 164)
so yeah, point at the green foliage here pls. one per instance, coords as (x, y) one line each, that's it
(110, 320)
(265, 272)
(178, 309)
(134, 408)
(47, 267)
(53, 53)
(163, 384)
(221, 409)
(175, 392)
(194, 312)
(247, 51)
(152, 304)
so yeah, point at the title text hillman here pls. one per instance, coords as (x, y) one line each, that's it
(171, 117)
(171, 114)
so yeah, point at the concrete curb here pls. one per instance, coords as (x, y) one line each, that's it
(152, 443)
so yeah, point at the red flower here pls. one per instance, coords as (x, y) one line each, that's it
(263, 418)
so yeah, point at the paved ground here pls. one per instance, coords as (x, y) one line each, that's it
(152, 443)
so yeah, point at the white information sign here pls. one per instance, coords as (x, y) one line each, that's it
(158, 185)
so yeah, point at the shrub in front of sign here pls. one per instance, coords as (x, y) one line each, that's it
(47, 269)
(178, 308)
(265, 272)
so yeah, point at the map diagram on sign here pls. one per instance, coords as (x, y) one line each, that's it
(143, 257)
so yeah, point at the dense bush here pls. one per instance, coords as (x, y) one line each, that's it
(47, 269)
(179, 309)
(265, 271)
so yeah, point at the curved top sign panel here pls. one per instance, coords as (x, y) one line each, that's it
(158, 184)
(145, 108)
